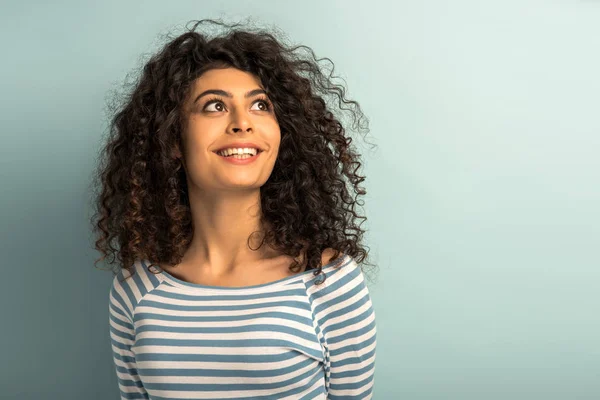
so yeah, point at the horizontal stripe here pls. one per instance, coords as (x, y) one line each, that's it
(288, 339)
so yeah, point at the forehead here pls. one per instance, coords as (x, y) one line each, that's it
(231, 79)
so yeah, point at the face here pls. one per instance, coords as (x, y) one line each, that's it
(244, 114)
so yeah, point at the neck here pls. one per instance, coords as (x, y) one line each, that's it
(222, 224)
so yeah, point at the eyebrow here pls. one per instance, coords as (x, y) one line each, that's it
(220, 92)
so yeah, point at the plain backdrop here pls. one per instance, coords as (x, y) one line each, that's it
(483, 197)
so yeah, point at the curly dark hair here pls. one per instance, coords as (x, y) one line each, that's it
(141, 198)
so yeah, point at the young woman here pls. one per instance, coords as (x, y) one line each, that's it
(223, 187)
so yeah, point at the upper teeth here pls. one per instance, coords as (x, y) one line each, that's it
(247, 150)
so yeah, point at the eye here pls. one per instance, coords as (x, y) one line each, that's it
(267, 106)
(266, 102)
(216, 100)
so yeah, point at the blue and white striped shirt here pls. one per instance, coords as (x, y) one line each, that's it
(287, 339)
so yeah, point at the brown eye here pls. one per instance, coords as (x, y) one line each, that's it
(217, 102)
(266, 104)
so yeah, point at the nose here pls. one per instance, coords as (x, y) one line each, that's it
(241, 125)
(240, 121)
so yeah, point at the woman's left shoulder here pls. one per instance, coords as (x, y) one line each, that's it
(327, 256)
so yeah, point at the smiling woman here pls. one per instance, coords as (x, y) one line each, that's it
(239, 123)
(221, 139)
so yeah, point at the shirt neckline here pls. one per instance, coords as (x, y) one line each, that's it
(179, 282)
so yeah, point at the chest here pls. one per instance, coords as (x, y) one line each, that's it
(256, 345)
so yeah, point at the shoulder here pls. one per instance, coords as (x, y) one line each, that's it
(328, 254)
(128, 289)
(337, 274)
(326, 257)
(340, 290)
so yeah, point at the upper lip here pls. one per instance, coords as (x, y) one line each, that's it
(237, 145)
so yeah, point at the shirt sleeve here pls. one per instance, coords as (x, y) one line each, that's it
(345, 319)
(122, 337)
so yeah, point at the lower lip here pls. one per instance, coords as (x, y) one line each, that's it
(240, 161)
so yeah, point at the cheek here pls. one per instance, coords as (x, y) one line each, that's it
(273, 134)
(197, 153)
(200, 135)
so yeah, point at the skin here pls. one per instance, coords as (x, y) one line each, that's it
(224, 197)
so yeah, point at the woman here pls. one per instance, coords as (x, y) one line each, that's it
(222, 184)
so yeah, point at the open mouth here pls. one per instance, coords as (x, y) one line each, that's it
(239, 156)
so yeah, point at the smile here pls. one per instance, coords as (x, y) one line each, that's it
(240, 159)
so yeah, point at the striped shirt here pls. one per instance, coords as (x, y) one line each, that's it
(287, 339)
